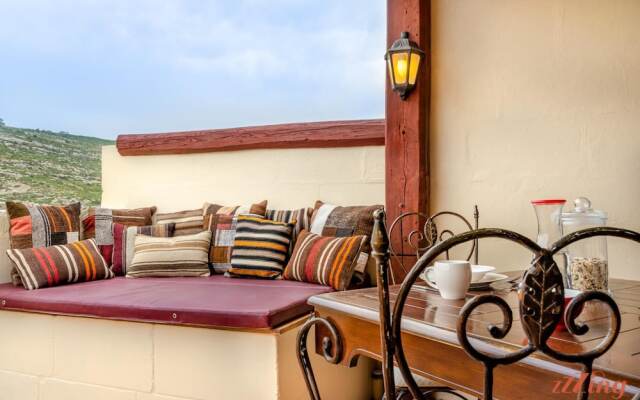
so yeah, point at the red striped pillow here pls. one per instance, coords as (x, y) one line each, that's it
(325, 260)
(57, 265)
(124, 238)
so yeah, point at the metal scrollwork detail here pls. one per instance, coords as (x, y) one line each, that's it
(541, 295)
(541, 298)
(331, 351)
(422, 238)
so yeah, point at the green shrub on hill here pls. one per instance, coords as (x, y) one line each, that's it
(49, 167)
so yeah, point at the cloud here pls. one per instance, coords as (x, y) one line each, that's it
(142, 65)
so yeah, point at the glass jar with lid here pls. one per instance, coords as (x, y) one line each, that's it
(587, 265)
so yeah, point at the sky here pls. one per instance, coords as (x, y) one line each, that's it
(105, 67)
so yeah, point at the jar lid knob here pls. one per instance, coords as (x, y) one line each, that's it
(582, 204)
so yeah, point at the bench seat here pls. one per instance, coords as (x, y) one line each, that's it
(215, 301)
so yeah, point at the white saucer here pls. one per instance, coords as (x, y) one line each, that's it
(482, 284)
(488, 279)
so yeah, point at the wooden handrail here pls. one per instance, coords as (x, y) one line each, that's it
(297, 135)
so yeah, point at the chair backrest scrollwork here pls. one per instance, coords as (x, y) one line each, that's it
(425, 234)
(541, 306)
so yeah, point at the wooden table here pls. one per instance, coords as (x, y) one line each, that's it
(432, 349)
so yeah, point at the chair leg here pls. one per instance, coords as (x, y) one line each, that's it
(429, 392)
(402, 393)
(330, 344)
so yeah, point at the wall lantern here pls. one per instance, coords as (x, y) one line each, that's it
(403, 60)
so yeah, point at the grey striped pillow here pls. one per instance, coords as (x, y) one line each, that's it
(186, 255)
(187, 222)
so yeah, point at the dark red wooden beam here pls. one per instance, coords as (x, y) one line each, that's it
(407, 129)
(300, 135)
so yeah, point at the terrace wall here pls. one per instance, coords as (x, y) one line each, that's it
(288, 178)
(534, 99)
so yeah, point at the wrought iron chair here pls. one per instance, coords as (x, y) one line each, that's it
(541, 307)
(420, 240)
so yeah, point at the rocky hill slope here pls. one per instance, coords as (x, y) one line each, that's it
(49, 167)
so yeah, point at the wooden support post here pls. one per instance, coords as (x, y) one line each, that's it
(407, 129)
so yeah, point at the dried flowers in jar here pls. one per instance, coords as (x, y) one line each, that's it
(589, 273)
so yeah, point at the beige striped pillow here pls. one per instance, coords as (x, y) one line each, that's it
(187, 222)
(176, 256)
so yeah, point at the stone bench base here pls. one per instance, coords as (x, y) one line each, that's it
(48, 357)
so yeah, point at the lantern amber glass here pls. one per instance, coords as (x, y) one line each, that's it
(404, 69)
(400, 68)
(413, 68)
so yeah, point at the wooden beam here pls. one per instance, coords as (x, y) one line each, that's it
(407, 128)
(300, 135)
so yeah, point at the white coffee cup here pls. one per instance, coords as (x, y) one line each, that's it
(450, 277)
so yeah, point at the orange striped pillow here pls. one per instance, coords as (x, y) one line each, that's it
(57, 265)
(329, 261)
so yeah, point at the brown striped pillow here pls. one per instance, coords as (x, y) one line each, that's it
(221, 222)
(97, 224)
(325, 260)
(338, 221)
(255, 209)
(32, 225)
(57, 265)
(187, 222)
(186, 255)
(300, 218)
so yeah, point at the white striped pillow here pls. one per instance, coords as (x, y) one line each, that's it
(187, 222)
(186, 255)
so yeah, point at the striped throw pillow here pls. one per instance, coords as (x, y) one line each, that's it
(32, 225)
(260, 247)
(186, 222)
(337, 221)
(56, 265)
(300, 218)
(97, 224)
(256, 209)
(325, 260)
(221, 222)
(124, 240)
(186, 255)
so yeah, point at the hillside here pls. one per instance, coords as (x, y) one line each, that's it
(49, 167)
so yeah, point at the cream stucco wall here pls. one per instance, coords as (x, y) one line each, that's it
(534, 99)
(288, 178)
(49, 357)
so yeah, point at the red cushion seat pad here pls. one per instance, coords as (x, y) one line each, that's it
(215, 301)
